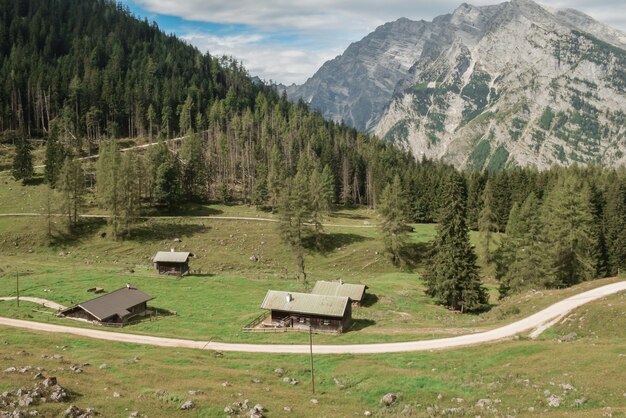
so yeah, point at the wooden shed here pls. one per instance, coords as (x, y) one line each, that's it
(117, 307)
(356, 292)
(304, 311)
(172, 262)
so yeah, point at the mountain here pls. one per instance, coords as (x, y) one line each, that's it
(492, 86)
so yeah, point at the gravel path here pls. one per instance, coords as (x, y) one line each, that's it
(535, 321)
(43, 302)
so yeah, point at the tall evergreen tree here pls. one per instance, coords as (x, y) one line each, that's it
(23, 161)
(487, 224)
(392, 207)
(71, 186)
(452, 277)
(615, 227)
(108, 184)
(568, 220)
(55, 155)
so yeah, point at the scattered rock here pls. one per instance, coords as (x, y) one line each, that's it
(554, 401)
(38, 376)
(287, 408)
(177, 240)
(103, 366)
(314, 401)
(133, 414)
(569, 337)
(187, 405)
(579, 402)
(254, 258)
(194, 392)
(226, 384)
(259, 407)
(440, 396)
(389, 399)
(72, 412)
(228, 410)
(10, 370)
(567, 386)
(367, 413)
(255, 380)
(76, 369)
(279, 371)
(116, 395)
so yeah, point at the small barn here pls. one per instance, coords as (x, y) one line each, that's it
(356, 292)
(117, 307)
(306, 311)
(172, 262)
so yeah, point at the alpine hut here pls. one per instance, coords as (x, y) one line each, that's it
(172, 262)
(116, 307)
(356, 292)
(306, 311)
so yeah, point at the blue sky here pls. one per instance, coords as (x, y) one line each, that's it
(288, 40)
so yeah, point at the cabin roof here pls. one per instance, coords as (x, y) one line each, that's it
(171, 257)
(353, 291)
(305, 303)
(118, 302)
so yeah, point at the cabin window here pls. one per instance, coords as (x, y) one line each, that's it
(325, 322)
(301, 320)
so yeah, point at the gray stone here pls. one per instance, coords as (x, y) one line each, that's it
(72, 412)
(287, 408)
(117, 395)
(228, 410)
(569, 337)
(279, 371)
(367, 413)
(259, 407)
(10, 370)
(103, 366)
(133, 414)
(187, 405)
(554, 401)
(579, 402)
(314, 401)
(389, 399)
(38, 376)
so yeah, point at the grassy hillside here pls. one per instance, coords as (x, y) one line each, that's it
(510, 378)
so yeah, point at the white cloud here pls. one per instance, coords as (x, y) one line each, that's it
(267, 60)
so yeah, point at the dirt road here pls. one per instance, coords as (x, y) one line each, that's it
(536, 321)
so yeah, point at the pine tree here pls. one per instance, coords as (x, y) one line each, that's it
(55, 155)
(487, 225)
(452, 277)
(392, 207)
(23, 161)
(615, 227)
(71, 186)
(520, 260)
(274, 177)
(129, 191)
(567, 218)
(108, 184)
(167, 183)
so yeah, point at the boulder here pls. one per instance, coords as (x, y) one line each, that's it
(569, 337)
(187, 405)
(279, 371)
(389, 399)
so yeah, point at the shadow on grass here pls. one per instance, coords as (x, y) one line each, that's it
(165, 230)
(369, 300)
(359, 324)
(325, 243)
(414, 254)
(189, 209)
(349, 216)
(85, 228)
(33, 181)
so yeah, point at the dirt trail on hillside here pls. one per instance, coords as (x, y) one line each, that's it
(43, 302)
(537, 320)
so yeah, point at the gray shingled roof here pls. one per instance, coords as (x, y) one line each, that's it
(305, 303)
(171, 257)
(353, 291)
(115, 303)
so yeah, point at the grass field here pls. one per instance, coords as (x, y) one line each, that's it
(517, 377)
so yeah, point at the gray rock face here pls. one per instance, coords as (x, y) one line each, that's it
(485, 87)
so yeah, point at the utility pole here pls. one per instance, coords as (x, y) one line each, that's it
(311, 352)
(17, 284)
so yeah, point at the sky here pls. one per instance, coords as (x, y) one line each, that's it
(286, 41)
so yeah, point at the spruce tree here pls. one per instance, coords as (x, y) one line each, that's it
(129, 191)
(568, 232)
(23, 161)
(392, 207)
(487, 224)
(452, 275)
(615, 227)
(55, 155)
(71, 186)
(108, 184)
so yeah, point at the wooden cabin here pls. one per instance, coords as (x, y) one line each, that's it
(356, 292)
(306, 311)
(117, 307)
(172, 262)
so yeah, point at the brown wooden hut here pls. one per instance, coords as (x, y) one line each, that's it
(356, 292)
(117, 307)
(172, 262)
(304, 311)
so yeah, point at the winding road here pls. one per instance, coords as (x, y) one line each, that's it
(538, 322)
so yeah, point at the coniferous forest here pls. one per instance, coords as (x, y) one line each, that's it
(82, 74)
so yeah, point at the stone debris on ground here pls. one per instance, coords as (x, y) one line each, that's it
(46, 390)
(244, 409)
(389, 399)
(554, 401)
(187, 405)
(568, 338)
(290, 380)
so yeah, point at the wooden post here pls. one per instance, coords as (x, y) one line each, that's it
(17, 285)
(311, 352)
